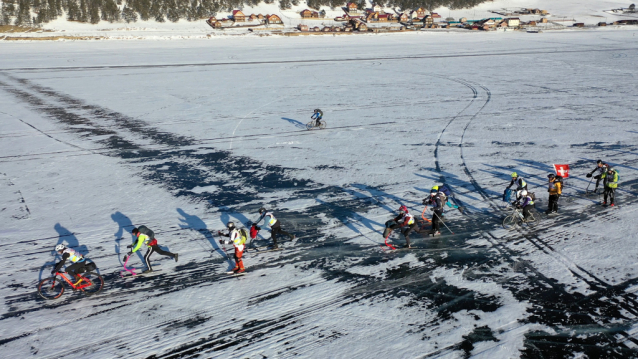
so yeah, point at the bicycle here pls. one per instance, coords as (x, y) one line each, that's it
(517, 218)
(312, 124)
(52, 288)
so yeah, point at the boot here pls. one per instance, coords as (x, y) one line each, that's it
(175, 257)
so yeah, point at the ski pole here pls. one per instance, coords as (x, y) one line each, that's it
(448, 228)
(587, 189)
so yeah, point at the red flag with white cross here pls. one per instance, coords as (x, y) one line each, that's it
(562, 170)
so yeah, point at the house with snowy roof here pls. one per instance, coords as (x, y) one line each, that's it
(238, 16)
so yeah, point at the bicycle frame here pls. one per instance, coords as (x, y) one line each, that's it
(85, 281)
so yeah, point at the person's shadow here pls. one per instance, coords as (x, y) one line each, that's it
(197, 224)
(295, 122)
(125, 226)
(67, 238)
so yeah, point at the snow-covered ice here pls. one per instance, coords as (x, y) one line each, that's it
(97, 137)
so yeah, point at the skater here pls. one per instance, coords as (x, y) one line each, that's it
(237, 238)
(436, 200)
(520, 183)
(317, 116)
(78, 260)
(555, 189)
(601, 168)
(146, 236)
(524, 201)
(275, 226)
(610, 182)
(405, 221)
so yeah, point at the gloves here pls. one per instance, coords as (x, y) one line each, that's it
(221, 241)
(219, 233)
(258, 228)
(129, 246)
(588, 175)
(53, 271)
(425, 202)
(129, 254)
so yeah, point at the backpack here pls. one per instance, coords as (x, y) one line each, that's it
(244, 236)
(145, 230)
(532, 195)
(445, 190)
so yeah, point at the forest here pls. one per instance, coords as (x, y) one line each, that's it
(37, 12)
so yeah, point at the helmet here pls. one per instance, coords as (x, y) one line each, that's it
(403, 209)
(230, 225)
(521, 193)
(317, 110)
(262, 210)
(514, 174)
(435, 188)
(60, 247)
(600, 162)
(551, 175)
(611, 169)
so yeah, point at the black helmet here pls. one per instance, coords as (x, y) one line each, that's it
(551, 175)
(262, 210)
(599, 161)
(317, 110)
(230, 225)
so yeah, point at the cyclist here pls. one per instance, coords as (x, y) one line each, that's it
(273, 223)
(238, 240)
(146, 236)
(524, 201)
(519, 181)
(317, 116)
(78, 260)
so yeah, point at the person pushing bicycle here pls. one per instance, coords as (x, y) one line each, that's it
(78, 260)
(317, 116)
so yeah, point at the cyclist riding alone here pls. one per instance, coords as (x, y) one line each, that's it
(317, 116)
(524, 201)
(78, 260)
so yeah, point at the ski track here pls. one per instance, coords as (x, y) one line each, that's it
(289, 327)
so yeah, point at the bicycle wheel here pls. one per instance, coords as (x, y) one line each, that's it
(97, 283)
(50, 288)
(310, 125)
(510, 221)
(322, 124)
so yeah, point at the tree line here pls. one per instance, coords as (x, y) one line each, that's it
(36, 12)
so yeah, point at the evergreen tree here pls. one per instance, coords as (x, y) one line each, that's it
(128, 14)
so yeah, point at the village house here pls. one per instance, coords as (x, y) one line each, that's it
(273, 19)
(302, 27)
(309, 14)
(435, 15)
(427, 21)
(420, 13)
(532, 23)
(252, 17)
(384, 17)
(260, 17)
(486, 24)
(376, 8)
(352, 8)
(238, 16)
(513, 22)
(372, 16)
(217, 25)
(602, 24)
(316, 29)
(404, 17)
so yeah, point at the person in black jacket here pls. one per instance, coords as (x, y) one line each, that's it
(601, 168)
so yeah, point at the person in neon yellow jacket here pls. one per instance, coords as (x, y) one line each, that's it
(146, 237)
(610, 181)
(238, 239)
(273, 223)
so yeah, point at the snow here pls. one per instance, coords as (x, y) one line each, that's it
(184, 136)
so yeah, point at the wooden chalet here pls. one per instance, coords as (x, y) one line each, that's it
(326, 29)
(260, 17)
(428, 20)
(309, 14)
(376, 8)
(273, 19)
(217, 25)
(420, 13)
(404, 17)
(302, 27)
(435, 15)
(532, 23)
(238, 16)
(383, 17)
(602, 24)
(316, 29)
(352, 7)
(252, 17)
(513, 22)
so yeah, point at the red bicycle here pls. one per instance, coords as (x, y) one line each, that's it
(52, 288)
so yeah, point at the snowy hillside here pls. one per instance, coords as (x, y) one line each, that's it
(566, 12)
(99, 137)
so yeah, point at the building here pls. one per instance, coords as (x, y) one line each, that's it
(238, 16)
(273, 19)
(302, 27)
(309, 14)
(404, 17)
(513, 22)
(352, 7)
(420, 13)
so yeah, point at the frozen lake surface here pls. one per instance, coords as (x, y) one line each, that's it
(98, 137)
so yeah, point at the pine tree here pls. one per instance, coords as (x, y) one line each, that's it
(128, 14)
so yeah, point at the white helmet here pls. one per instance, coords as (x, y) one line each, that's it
(60, 247)
(522, 193)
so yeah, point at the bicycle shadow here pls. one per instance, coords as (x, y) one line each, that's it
(125, 226)
(195, 223)
(295, 122)
(67, 238)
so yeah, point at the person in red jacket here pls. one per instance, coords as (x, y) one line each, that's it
(405, 221)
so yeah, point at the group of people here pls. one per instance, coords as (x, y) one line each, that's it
(405, 221)
(146, 237)
(525, 200)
